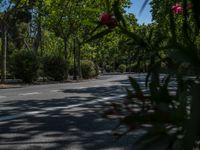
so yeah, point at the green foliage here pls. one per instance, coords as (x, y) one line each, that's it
(55, 25)
(122, 68)
(173, 115)
(132, 67)
(99, 35)
(108, 68)
(172, 41)
(24, 65)
(54, 67)
(88, 69)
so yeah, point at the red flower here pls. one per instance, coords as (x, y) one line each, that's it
(105, 18)
(108, 19)
(177, 8)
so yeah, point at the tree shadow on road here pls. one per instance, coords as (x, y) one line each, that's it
(99, 92)
(60, 127)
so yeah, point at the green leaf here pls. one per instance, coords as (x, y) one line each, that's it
(196, 12)
(107, 2)
(99, 35)
(118, 14)
(90, 10)
(139, 40)
(88, 22)
(135, 85)
(129, 93)
(181, 54)
(164, 93)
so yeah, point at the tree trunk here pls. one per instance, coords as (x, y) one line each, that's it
(75, 66)
(103, 66)
(4, 55)
(38, 38)
(79, 59)
(65, 57)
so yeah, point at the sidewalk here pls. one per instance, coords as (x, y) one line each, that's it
(12, 83)
(16, 83)
(6, 86)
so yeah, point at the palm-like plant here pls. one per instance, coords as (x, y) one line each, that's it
(172, 117)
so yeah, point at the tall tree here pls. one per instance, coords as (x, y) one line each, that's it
(12, 13)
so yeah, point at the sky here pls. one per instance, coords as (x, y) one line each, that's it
(145, 17)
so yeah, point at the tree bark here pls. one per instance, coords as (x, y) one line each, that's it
(38, 38)
(79, 59)
(65, 57)
(4, 55)
(75, 59)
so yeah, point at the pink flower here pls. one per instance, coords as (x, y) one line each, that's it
(177, 8)
(108, 19)
(105, 18)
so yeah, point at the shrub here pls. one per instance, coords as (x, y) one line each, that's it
(108, 68)
(54, 67)
(132, 67)
(122, 68)
(88, 69)
(24, 65)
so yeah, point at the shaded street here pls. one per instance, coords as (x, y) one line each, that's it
(62, 116)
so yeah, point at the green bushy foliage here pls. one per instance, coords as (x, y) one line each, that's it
(122, 68)
(88, 69)
(108, 68)
(54, 67)
(24, 65)
(132, 67)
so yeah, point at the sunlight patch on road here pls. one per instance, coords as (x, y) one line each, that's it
(24, 114)
(1, 97)
(56, 91)
(27, 94)
(80, 87)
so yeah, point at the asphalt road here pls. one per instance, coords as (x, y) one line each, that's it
(62, 116)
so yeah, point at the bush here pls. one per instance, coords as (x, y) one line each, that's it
(132, 67)
(24, 65)
(88, 69)
(54, 67)
(108, 68)
(122, 68)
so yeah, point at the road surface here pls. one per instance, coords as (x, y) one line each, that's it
(62, 116)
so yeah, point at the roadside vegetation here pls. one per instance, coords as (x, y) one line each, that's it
(168, 50)
(51, 40)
